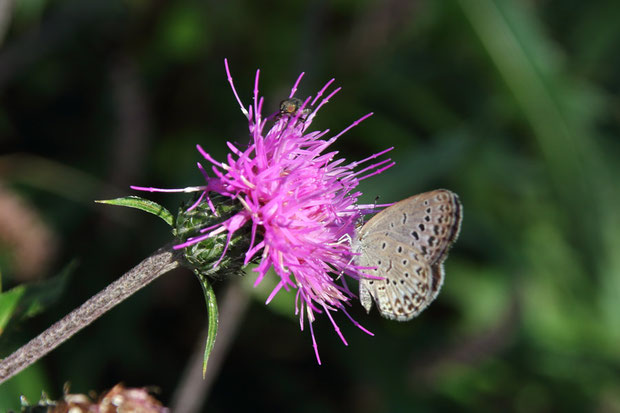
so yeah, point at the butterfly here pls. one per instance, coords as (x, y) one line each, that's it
(406, 244)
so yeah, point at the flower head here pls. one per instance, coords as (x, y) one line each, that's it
(299, 199)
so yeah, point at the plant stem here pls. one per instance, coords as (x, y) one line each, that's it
(160, 262)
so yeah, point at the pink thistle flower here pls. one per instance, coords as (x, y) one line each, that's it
(299, 199)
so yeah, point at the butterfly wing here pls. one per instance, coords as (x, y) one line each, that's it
(406, 285)
(429, 222)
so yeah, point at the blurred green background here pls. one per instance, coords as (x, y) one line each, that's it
(512, 104)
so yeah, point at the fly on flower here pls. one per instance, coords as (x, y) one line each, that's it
(297, 203)
(293, 107)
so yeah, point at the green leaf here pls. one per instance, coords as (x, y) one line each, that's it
(213, 318)
(25, 301)
(8, 304)
(40, 296)
(143, 204)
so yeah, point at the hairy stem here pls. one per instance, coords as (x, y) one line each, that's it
(162, 261)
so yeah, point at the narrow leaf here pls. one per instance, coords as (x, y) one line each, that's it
(213, 318)
(143, 204)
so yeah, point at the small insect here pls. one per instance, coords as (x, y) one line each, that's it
(292, 106)
(407, 244)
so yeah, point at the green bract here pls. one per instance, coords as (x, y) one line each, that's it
(204, 255)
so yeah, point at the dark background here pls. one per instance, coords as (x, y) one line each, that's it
(512, 104)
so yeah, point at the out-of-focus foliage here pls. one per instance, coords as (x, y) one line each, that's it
(27, 300)
(512, 104)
